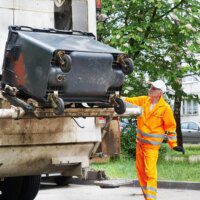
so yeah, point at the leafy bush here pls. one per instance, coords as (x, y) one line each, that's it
(163, 151)
(128, 136)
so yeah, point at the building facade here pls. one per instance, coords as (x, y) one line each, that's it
(190, 110)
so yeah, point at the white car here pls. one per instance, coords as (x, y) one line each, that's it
(191, 132)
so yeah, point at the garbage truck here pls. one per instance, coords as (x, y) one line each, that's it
(56, 79)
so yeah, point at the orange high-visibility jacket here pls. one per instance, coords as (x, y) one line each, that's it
(152, 125)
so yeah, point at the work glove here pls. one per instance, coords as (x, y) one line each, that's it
(180, 149)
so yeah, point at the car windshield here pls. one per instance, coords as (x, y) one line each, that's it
(193, 126)
(184, 125)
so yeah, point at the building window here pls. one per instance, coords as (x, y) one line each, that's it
(190, 107)
(190, 79)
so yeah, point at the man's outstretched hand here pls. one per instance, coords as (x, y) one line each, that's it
(180, 149)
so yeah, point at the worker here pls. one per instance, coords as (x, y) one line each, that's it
(156, 120)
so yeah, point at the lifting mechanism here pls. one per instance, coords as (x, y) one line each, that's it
(8, 111)
(50, 72)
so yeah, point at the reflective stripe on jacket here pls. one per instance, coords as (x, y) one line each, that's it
(152, 125)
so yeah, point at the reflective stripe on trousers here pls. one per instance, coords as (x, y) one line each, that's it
(149, 192)
(146, 160)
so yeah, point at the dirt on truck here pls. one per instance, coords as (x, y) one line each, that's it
(54, 83)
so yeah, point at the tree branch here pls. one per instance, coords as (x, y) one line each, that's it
(166, 13)
(147, 32)
(153, 19)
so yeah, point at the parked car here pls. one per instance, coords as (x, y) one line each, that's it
(191, 132)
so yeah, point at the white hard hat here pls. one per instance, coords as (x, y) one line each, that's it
(159, 84)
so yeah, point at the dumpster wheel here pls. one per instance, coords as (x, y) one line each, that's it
(65, 65)
(60, 107)
(127, 66)
(56, 103)
(119, 106)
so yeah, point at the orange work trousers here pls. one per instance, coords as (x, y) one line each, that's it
(146, 160)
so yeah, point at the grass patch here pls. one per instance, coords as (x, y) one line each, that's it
(124, 167)
(118, 168)
(190, 150)
(178, 171)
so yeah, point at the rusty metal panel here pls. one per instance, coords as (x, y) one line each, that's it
(111, 142)
(47, 131)
(57, 130)
(33, 160)
(76, 112)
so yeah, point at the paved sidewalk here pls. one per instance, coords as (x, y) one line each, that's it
(134, 183)
(92, 192)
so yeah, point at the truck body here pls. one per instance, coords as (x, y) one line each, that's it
(30, 146)
(43, 142)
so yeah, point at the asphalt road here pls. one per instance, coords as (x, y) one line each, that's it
(93, 192)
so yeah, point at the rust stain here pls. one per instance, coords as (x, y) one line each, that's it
(19, 68)
(111, 142)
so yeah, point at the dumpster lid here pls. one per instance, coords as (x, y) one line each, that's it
(64, 40)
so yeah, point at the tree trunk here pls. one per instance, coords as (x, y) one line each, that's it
(177, 115)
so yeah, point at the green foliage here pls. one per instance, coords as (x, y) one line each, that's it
(158, 35)
(120, 168)
(128, 137)
(190, 150)
(163, 151)
(162, 37)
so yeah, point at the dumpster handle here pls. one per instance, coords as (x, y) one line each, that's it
(49, 30)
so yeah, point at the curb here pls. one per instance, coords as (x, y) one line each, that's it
(174, 185)
(134, 183)
(190, 159)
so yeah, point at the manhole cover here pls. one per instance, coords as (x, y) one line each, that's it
(113, 183)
